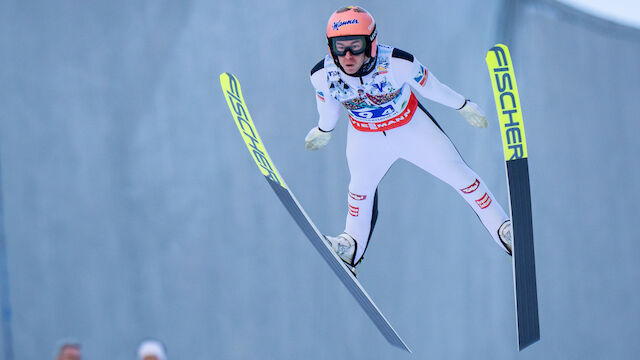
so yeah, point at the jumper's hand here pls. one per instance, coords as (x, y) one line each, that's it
(316, 138)
(474, 115)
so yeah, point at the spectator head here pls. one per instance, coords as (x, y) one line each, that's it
(151, 350)
(69, 350)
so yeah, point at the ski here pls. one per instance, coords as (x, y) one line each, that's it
(516, 159)
(233, 94)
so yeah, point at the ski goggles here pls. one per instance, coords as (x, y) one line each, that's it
(355, 44)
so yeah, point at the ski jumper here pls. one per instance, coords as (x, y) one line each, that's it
(388, 123)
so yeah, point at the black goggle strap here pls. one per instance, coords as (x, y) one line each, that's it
(374, 33)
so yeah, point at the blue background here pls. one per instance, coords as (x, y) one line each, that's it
(131, 207)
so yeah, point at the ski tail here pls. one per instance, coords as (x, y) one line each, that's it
(339, 267)
(516, 160)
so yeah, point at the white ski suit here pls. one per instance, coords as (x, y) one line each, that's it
(388, 123)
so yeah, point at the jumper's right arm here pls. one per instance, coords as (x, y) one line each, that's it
(328, 107)
(328, 110)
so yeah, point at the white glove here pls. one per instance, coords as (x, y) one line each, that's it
(316, 138)
(474, 115)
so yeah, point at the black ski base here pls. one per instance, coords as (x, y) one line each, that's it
(346, 276)
(523, 253)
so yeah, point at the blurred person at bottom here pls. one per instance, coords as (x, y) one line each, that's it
(69, 350)
(152, 350)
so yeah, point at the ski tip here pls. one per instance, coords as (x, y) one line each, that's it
(499, 45)
(495, 50)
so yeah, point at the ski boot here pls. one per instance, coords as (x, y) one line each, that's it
(505, 233)
(345, 247)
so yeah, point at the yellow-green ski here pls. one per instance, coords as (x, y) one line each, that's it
(514, 143)
(233, 94)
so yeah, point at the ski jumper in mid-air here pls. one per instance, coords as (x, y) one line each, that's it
(377, 84)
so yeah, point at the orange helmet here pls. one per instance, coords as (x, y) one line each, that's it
(352, 22)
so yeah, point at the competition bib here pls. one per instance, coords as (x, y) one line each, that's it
(374, 105)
